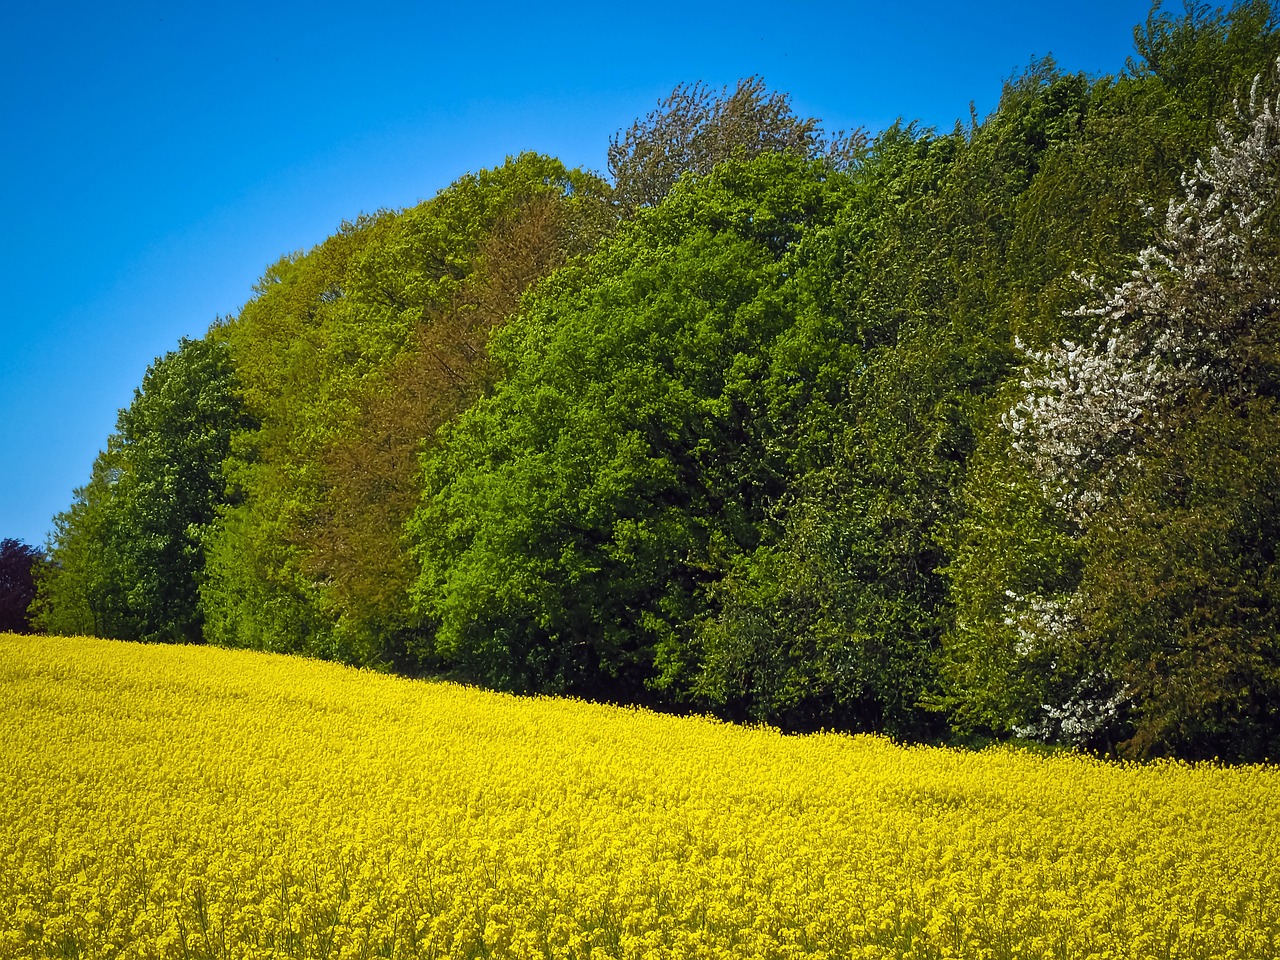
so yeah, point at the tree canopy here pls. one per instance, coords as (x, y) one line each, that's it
(952, 435)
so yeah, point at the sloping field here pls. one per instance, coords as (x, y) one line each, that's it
(192, 802)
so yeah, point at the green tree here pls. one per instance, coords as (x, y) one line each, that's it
(126, 559)
(573, 517)
(82, 588)
(351, 356)
(1208, 56)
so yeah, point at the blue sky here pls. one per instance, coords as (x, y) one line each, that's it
(156, 157)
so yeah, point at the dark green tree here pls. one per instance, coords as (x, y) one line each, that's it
(1131, 601)
(1207, 55)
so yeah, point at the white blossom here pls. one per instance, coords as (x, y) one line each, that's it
(1076, 720)
(1039, 622)
(1086, 409)
(1170, 327)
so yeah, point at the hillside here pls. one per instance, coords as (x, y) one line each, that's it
(182, 801)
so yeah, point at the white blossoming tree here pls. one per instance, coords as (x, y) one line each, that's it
(1145, 461)
(1185, 320)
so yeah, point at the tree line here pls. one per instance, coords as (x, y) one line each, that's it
(950, 435)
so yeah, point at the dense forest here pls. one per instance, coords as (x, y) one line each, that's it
(950, 435)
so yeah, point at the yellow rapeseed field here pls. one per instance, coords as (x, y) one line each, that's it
(187, 802)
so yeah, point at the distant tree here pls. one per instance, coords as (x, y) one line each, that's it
(18, 563)
(697, 127)
(837, 619)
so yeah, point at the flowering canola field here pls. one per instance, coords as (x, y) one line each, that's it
(184, 802)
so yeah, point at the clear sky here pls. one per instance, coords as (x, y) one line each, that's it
(155, 157)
